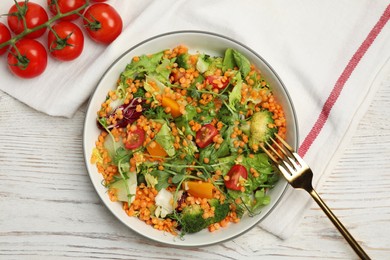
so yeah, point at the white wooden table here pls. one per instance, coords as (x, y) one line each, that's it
(49, 209)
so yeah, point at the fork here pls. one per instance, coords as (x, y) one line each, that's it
(299, 175)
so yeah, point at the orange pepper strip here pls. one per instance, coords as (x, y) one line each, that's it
(200, 189)
(172, 104)
(155, 149)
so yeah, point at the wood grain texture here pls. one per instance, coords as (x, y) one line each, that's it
(49, 209)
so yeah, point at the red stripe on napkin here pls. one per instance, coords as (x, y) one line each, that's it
(338, 87)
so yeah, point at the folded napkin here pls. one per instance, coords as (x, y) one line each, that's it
(327, 53)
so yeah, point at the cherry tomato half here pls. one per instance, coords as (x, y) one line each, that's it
(205, 135)
(217, 82)
(135, 138)
(234, 175)
(34, 15)
(5, 35)
(69, 44)
(31, 61)
(103, 23)
(66, 6)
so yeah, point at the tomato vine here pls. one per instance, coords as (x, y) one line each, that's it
(47, 24)
(21, 19)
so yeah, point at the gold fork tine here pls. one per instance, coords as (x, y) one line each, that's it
(292, 151)
(268, 153)
(286, 168)
(290, 162)
(284, 143)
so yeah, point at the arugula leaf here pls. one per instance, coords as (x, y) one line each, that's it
(157, 112)
(208, 112)
(122, 154)
(182, 122)
(230, 140)
(178, 178)
(140, 93)
(162, 179)
(208, 152)
(183, 61)
(226, 116)
(226, 163)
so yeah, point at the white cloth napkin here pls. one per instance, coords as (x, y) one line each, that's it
(316, 47)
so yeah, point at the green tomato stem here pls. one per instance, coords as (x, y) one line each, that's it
(47, 24)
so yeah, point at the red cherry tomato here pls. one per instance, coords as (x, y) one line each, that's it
(29, 61)
(234, 175)
(34, 15)
(5, 35)
(66, 6)
(205, 135)
(135, 138)
(103, 23)
(69, 44)
(217, 82)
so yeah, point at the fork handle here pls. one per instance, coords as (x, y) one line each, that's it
(351, 241)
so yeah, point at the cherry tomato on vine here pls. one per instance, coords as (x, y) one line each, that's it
(103, 23)
(34, 15)
(236, 173)
(205, 135)
(135, 138)
(5, 35)
(66, 6)
(65, 41)
(29, 60)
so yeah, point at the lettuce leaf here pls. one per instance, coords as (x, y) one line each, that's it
(235, 95)
(267, 176)
(145, 65)
(234, 58)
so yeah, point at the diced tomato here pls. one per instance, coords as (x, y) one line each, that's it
(234, 175)
(205, 135)
(199, 189)
(217, 82)
(135, 138)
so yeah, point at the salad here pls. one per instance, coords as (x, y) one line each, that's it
(179, 140)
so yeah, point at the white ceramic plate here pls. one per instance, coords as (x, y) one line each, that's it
(211, 44)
